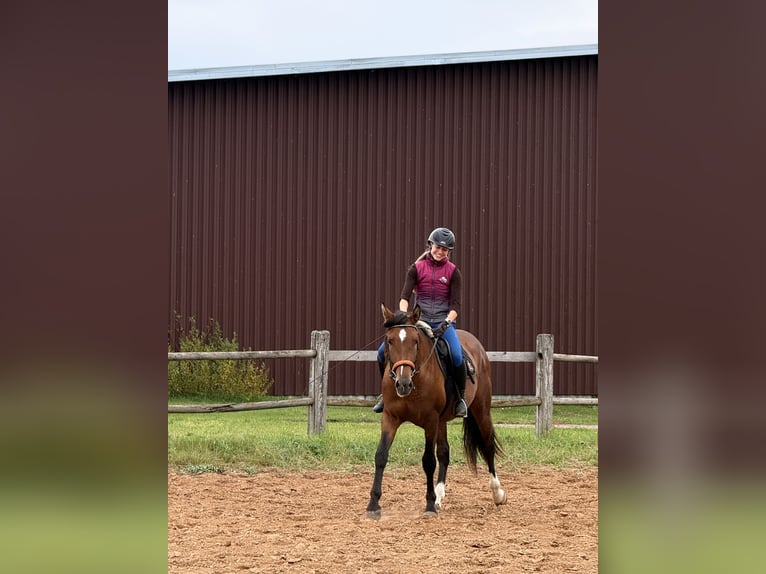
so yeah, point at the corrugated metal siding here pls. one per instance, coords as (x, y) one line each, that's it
(298, 202)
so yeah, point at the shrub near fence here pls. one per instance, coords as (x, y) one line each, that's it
(321, 355)
(224, 379)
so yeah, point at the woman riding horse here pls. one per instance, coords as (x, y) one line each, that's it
(437, 283)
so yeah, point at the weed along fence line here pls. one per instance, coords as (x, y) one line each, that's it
(321, 355)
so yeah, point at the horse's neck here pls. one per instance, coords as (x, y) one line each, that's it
(427, 360)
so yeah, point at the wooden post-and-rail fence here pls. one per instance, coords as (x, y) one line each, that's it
(317, 388)
(320, 355)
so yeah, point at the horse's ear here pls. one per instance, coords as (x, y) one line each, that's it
(387, 313)
(416, 314)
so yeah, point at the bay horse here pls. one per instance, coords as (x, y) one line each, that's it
(413, 389)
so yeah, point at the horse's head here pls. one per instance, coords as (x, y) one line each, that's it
(402, 344)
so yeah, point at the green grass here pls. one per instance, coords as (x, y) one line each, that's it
(700, 525)
(255, 440)
(562, 414)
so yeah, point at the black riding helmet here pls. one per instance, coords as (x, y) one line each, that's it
(442, 237)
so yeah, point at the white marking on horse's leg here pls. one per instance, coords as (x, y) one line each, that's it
(402, 334)
(440, 494)
(498, 494)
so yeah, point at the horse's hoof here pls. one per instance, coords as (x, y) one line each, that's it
(501, 497)
(373, 514)
(429, 514)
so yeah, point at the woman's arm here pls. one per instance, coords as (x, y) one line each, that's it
(409, 285)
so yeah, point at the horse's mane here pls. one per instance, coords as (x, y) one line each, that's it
(398, 318)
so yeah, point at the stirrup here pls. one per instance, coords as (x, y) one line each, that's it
(462, 412)
(378, 407)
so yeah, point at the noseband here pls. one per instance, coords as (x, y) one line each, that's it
(403, 363)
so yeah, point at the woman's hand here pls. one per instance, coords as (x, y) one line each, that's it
(439, 331)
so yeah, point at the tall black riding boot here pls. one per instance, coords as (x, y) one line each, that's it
(378, 407)
(459, 375)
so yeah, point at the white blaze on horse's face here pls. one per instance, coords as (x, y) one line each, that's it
(402, 334)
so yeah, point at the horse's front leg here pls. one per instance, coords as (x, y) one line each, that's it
(442, 453)
(429, 466)
(387, 434)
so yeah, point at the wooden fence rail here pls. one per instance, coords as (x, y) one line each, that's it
(320, 355)
(208, 355)
(317, 387)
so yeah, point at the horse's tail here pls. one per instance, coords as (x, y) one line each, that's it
(474, 443)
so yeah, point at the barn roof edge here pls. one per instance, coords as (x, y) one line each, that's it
(382, 62)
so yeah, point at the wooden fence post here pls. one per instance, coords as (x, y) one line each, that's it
(320, 342)
(544, 384)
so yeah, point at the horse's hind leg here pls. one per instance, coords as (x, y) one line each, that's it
(482, 435)
(498, 494)
(442, 454)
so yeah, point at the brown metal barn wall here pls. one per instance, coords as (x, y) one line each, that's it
(298, 203)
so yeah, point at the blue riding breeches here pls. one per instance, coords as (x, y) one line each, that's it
(450, 335)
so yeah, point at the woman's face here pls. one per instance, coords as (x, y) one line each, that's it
(438, 252)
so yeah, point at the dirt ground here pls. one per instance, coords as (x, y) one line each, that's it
(315, 522)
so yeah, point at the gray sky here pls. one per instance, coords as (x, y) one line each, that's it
(221, 33)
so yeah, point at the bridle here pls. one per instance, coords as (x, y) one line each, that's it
(406, 362)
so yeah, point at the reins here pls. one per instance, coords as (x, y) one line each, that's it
(433, 348)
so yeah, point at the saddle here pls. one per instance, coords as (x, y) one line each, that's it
(444, 355)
